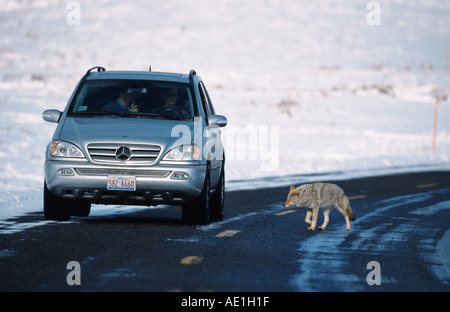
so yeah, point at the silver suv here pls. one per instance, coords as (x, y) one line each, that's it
(138, 138)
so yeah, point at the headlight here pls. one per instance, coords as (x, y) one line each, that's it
(65, 149)
(183, 152)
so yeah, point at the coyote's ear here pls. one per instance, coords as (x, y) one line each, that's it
(294, 191)
(292, 187)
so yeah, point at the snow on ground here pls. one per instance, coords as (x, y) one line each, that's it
(308, 87)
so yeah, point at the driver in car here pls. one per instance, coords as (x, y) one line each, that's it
(169, 98)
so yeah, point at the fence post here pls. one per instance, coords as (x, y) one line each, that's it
(435, 124)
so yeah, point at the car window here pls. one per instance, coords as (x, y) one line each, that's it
(130, 98)
(206, 101)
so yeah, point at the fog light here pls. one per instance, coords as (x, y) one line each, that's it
(180, 176)
(66, 172)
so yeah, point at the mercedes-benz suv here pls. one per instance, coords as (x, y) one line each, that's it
(138, 138)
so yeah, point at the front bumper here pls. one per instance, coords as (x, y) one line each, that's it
(154, 184)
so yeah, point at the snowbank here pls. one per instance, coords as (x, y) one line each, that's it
(308, 87)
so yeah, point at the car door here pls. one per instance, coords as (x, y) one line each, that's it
(213, 137)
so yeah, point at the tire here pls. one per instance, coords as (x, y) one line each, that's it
(79, 208)
(198, 211)
(54, 207)
(218, 200)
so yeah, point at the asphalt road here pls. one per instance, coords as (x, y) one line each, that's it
(401, 231)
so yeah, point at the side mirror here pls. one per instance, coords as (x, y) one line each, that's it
(51, 115)
(217, 120)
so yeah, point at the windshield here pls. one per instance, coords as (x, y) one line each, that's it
(131, 98)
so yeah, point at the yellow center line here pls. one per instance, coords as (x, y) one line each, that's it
(357, 197)
(191, 260)
(227, 233)
(284, 212)
(427, 185)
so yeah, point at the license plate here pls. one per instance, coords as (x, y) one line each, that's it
(122, 183)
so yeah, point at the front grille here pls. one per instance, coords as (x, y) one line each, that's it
(140, 153)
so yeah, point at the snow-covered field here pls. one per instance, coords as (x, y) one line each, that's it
(308, 87)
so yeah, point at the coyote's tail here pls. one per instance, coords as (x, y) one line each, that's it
(348, 209)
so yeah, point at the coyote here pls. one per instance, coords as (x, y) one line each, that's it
(317, 195)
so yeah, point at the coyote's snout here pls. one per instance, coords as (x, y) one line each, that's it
(320, 195)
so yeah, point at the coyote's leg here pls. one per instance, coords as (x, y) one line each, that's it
(326, 213)
(308, 216)
(347, 221)
(315, 212)
(342, 207)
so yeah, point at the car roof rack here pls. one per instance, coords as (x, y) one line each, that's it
(192, 73)
(98, 68)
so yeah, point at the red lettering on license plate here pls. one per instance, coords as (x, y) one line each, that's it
(121, 183)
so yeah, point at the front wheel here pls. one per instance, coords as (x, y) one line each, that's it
(218, 199)
(79, 208)
(59, 209)
(54, 208)
(197, 211)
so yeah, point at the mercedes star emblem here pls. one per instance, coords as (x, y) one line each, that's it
(123, 153)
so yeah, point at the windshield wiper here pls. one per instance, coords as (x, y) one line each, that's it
(100, 113)
(128, 114)
(158, 115)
